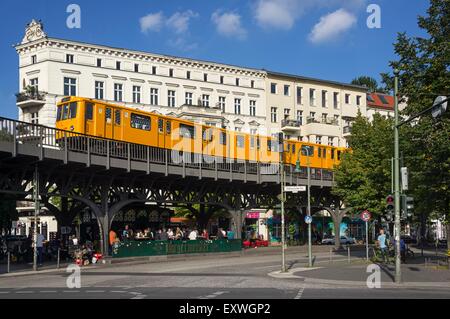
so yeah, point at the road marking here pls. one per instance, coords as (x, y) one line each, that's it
(48, 291)
(71, 291)
(95, 291)
(213, 295)
(300, 293)
(4, 292)
(24, 292)
(118, 291)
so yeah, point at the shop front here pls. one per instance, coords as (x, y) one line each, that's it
(255, 224)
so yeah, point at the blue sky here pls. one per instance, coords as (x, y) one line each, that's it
(326, 39)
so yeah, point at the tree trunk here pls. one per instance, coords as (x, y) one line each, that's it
(448, 235)
(337, 219)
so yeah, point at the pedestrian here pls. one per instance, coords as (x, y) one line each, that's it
(381, 240)
(163, 236)
(112, 240)
(40, 247)
(193, 234)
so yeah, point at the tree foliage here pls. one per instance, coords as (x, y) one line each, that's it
(363, 177)
(370, 83)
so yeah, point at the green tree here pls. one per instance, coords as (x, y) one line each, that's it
(424, 74)
(363, 178)
(370, 83)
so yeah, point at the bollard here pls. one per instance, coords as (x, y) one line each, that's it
(58, 259)
(348, 253)
(9, 262)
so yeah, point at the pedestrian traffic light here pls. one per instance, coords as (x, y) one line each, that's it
(407, 205)
(390, 203)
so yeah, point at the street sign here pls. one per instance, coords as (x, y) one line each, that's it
(365, 216)
(404, 174)
(439, 106)
(294, 189)
(308, 219)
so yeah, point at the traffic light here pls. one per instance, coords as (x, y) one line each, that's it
(281, 142)
(407, 206)
(390, 203)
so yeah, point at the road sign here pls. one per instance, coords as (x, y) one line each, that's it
(294, 189)
(308, 219)
(439, 106)
(365, 216)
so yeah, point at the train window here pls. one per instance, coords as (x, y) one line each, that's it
(258, 143)
(307, 150)
(58, 114)
(140, 122)
(223, 138)
(89, 111)
(168, 127)
(207, 134)
(108, 114)
(269, 145)
(339, 155)
(187, 131)
(293, 148)
(73, 110)
(319, 152)
(324, 153)
(252, 142)
(161, 126)
(240, 141)
(117, 117)
(332, 154)
(65, 112)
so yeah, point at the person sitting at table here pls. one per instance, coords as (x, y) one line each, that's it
(178, 234)
(193, 234)
(163, 235)
(148, 234)
(127, 233)
(170, 234)
(205, 234)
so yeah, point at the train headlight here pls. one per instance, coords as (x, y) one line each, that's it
(72, 128)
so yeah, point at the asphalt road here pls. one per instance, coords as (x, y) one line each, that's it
(210, 278)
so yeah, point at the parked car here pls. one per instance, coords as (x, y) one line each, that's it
(345, 240)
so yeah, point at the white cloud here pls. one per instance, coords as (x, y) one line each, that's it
(332, 25)
(179, 21)
(229, 24)
(282, 14)
(182, 45)
(151, 22)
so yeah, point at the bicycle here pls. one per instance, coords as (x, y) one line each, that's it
(377, 256)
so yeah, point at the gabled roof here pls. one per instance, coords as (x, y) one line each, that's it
(380, 101)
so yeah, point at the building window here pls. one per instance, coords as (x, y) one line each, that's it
(331, 143)
(299, 95)
(286, 90)
(324, 98)
(171, 73)
(99, 63)
(237, 82)
(136, 94)
(188, 99)
(312, 115)
(287, 113)
(154, 70)
(358, 100)
(70, 87)
(336, 100)
(205, 100)
(136, 67)
(118, 92)
(69, 58)
(273, 114)
(222, 103)
(35, 118)
(205, 77)
(171, 98)
(324, 117)
(252, 108)
(33, 59)
(118, 65)
(221, 79)
(300, 117)
(34, 85)
(99, 90)
(153, 96)
(273, 88)
(336, 119)
(188, 75)
(252, 84)
(347, 98)
(318, 139)
(237, 106)
(312, 97)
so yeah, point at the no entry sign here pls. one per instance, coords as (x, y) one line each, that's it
(365, 216)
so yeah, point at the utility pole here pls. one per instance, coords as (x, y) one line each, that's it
(283, 199)
(398, 271)
(309, 213)
(36, 213)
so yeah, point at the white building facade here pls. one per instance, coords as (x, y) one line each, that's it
(206, 92)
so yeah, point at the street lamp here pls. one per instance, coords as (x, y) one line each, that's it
(308, 150)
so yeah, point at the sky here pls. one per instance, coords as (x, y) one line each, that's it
(325, 39)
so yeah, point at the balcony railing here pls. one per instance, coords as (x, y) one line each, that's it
(27, 96)
(327, 121)
(290, 123)
(347, 129)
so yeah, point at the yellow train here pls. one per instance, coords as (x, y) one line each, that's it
(105, 120)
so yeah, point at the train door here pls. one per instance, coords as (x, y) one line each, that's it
(100, 120)
(117, 126)
(108, 122)
(168, 136)
(161, 134)
(89, 127)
